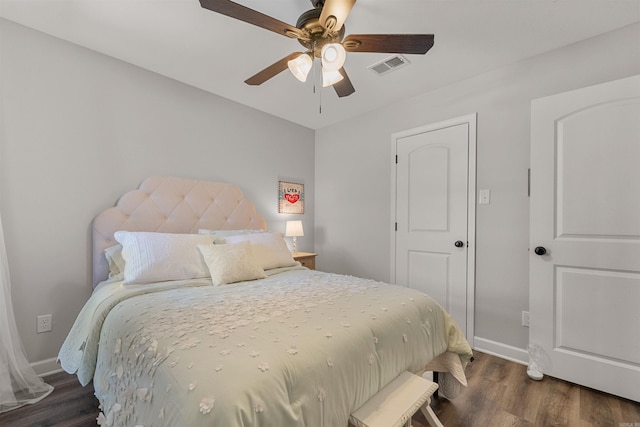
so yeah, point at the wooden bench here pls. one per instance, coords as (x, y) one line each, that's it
(395, 404)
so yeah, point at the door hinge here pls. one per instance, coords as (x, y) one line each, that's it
(529, 182)
(396, 159)
(396, 226)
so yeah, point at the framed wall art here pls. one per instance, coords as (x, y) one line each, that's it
(290, 197)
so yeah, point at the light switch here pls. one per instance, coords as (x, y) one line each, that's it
(485, 197)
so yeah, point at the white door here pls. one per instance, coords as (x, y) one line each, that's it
(433, 207)
(585, 212)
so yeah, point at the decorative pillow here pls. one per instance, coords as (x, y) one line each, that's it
(115, 261)
(156, 257)
(230, 263)
(269, 249)
(220, 235)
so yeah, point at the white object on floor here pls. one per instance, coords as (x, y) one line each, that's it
(395, 404)
(539, 362)
(533, 372)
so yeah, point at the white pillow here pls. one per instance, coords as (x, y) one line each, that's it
(231, 263)
(269, 249)
(157, 257)
(115, 261)
(220, 235)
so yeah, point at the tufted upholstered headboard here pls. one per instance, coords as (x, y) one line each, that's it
(172, 205)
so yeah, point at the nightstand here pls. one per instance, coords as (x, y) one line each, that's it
(307, 259)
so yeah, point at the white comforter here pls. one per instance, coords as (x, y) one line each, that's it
(299, 348)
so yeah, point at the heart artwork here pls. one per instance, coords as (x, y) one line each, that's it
(292, 198)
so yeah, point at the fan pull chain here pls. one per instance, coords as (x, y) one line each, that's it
(315, 77)
(315, 82)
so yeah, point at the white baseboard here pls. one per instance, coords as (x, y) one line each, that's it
(46, 367)
(514, 354)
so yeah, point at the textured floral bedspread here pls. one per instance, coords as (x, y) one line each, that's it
(299, 348)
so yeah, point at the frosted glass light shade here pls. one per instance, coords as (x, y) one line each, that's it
(300, 66)
(330, 77)
(333, 56)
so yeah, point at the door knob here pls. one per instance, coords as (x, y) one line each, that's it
(459, 244)
(539, 250)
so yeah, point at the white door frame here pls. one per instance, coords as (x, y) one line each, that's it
(471, 120)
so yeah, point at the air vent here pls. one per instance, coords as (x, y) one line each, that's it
(390, 64)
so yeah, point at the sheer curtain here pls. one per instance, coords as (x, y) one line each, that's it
(19, 383)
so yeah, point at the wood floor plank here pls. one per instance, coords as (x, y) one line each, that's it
(626, 411)
(595, 408)
(499, 395)
(523, 397)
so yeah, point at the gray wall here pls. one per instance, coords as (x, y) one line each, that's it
(78, 129)
(353, 170)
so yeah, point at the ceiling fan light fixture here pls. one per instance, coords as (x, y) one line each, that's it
(300, 66)
(322, 33)
(330, 77)
(333, 56)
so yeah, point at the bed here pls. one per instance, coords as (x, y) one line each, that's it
(201, 317)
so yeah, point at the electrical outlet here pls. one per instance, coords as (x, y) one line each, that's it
(485, 197)
(44, 323)
(525, 319)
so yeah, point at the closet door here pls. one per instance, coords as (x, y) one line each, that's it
(585, 235)
(433, 206)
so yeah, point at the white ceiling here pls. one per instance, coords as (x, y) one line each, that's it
(180, 40)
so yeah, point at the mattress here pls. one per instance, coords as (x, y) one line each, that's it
(298, 348)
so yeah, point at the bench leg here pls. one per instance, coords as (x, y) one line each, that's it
(430, 415)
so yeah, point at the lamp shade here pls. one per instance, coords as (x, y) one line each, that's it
(333, 56)
(300, 66)
(330, 77)
(294, 229)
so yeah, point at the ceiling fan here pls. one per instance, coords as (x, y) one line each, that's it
(321, 31)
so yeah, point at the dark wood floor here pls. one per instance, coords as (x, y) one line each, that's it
(499, 394)
(69, 405)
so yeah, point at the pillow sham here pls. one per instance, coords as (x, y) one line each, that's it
(115, 261)
(231, 263)
(269, 249)
(157, 257)
(220, 235)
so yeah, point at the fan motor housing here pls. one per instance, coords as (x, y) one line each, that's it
(316, 35)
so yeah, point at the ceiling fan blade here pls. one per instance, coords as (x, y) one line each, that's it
(243, 13)
(272, 70)
(344, 87)
(339, 9)
(389, 43)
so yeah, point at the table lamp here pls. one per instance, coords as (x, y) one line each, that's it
(293, 230)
